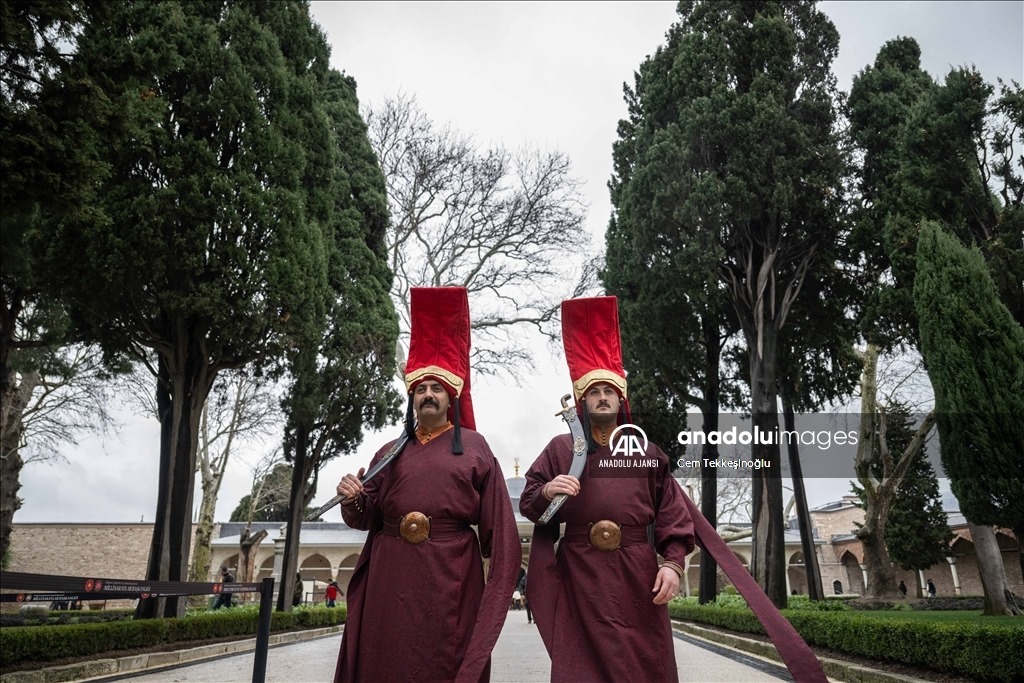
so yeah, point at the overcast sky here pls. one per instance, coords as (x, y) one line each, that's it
(542, 74)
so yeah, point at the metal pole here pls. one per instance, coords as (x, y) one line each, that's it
(259, 663)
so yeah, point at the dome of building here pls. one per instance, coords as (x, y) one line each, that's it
(516, 485)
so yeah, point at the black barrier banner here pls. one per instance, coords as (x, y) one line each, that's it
(89, 588)
(64, 597)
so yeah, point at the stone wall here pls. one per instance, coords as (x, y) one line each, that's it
(112, 551)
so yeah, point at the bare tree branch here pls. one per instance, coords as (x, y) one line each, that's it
(69, 397)
(507, 226)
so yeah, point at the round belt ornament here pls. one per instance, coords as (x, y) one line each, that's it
(414, 527)
(605, 535)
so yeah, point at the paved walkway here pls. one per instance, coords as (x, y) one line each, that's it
(518, 657)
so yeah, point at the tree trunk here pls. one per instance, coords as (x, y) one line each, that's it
(300, 476)
(707, 589)
(200, 569)
(181, 394)
(880, 572)
(879, 493)
(814, 589)
(1019, 533)
(881, 577)
(769, 549)
(10, 470)
(998, 598)
(13, 400)
(247, 547)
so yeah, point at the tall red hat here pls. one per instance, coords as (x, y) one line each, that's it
(439, 346)
(593, 350)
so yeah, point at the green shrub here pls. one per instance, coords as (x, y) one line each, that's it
(984, 652)
(951, 602)
(802, 602)
(58, 641)
(317, 617)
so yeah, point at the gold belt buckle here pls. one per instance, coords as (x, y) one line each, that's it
(414, 527)
(605, 535)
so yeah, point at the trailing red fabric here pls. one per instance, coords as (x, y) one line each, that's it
(798, 657)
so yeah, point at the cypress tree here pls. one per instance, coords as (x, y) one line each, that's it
(974, 351)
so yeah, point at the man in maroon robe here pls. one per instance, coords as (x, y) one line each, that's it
(419, 607)
(601, 606)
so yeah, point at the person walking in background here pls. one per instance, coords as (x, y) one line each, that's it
(903, 588)
(223, 598)
(419, 607)
(931, 589)
(331, 594)
(297, 594)
(526, 600)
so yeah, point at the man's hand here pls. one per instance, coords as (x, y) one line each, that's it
(350, 486)
(666, 585)
(563, 483)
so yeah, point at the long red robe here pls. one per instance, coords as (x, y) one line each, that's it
(422, 612)
(595, 609)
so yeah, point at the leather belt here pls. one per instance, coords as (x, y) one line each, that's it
(606, 535)
(416, 527)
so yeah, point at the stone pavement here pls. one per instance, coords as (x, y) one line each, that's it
(703, 656)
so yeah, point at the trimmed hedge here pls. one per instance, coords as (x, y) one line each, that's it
(981, 651)
(53, 642)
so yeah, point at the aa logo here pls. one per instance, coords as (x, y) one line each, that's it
(626, 440)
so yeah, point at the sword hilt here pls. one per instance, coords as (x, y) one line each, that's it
(553, 506)
(565, 405)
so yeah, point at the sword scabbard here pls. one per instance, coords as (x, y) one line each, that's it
(579, 455)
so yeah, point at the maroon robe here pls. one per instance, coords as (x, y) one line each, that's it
(422, 612)
(595, 609)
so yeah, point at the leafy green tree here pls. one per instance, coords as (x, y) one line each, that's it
(344, 382)
(914, 528)
(974, 351)
(200, 246)
(960, 167)
(881, 100)
(736, 153)
(675, 326)
(44, 177)
(917, 533)
(943, 152)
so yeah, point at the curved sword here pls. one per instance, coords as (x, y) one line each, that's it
(392, 453)
(579, 454)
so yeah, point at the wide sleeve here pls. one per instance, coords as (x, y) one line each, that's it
(499, 539)
(364, 513)
(673, 528)
(547, 466)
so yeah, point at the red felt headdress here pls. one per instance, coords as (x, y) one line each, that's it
(590, 335)
(439, 347)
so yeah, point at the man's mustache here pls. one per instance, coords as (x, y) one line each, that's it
(429, 401)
